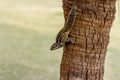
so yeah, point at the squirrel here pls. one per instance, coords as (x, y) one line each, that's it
(62, 36)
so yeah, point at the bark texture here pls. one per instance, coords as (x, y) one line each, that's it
(84, 60)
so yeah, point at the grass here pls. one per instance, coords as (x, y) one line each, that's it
(27, 29)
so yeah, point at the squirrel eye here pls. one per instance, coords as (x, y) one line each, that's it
(55, 45)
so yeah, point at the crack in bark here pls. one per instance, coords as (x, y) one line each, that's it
(68, 75)
(86, 39)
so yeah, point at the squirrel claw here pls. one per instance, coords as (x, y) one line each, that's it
(72, 40)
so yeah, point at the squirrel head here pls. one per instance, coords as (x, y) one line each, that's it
(56, 46)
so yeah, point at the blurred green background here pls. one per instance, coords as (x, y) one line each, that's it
(27, 30)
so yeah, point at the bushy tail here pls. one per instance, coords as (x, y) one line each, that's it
(71, 17)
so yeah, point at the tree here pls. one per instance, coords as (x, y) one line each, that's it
(84, 60)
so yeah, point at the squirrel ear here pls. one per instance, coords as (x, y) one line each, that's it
(54, 46)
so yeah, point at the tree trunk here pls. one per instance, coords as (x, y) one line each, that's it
(84, 60)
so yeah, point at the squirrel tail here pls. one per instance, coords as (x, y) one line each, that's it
(71, 17)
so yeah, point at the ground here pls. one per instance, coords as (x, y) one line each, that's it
(27, 30)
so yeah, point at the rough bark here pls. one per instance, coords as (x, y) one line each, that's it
(84, 60)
